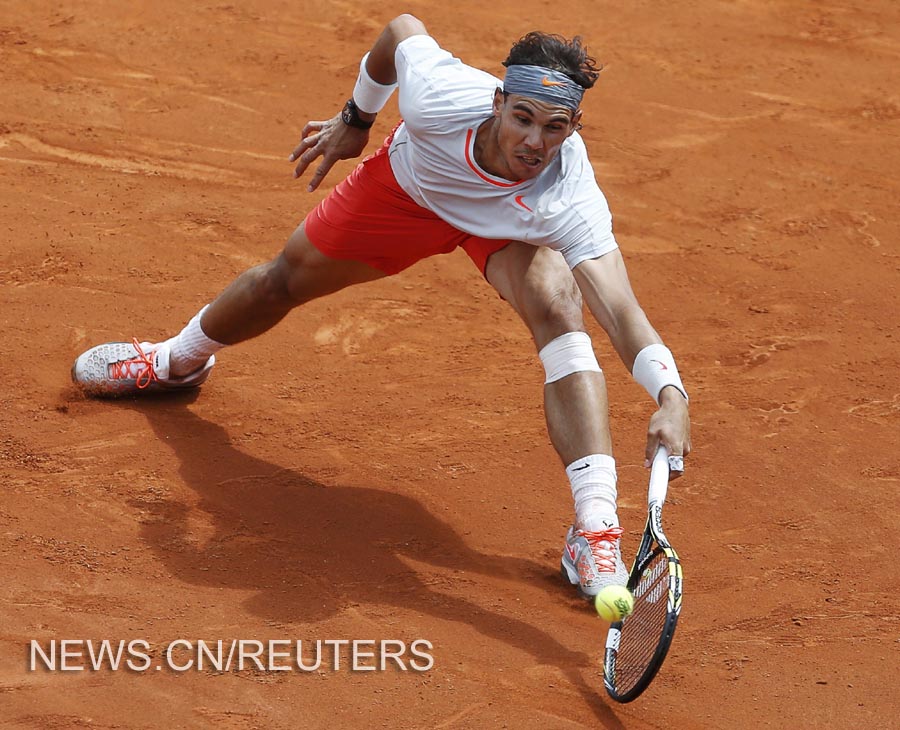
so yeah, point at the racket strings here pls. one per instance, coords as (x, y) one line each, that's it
(641, 631)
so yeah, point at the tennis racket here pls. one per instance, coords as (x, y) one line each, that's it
(637, 645)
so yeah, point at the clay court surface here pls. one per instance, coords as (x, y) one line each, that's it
(377, 467)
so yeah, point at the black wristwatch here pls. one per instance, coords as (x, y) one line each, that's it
(350, 116)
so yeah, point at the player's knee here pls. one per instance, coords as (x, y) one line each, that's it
(564, 310)
(269, 283)
(552, 310)
(302, 273)
(298, 274)
(289, 279)
(280, 283)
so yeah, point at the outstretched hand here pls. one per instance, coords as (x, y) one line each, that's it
(669, 426)
(332, 140)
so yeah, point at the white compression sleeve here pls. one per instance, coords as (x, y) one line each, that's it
(567, 354)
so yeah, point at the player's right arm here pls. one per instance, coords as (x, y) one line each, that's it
(604, 283)
(332, 139)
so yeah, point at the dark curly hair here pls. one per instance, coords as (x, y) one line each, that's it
(555, 52)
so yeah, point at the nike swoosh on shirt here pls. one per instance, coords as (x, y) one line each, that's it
(547, 82)
(521, 202)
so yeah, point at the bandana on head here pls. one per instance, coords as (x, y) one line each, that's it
(545, 84)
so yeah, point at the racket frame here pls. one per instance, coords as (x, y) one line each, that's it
(653, 542)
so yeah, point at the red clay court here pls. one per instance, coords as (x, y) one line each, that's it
(378, 466)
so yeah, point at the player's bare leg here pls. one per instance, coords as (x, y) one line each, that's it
(254, 303)
(539, 286)
(262, 296)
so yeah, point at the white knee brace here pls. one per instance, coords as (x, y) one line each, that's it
(567, 354)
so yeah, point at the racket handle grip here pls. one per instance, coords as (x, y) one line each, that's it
(659, 477)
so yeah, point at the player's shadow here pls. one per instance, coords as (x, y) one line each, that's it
(310, 550)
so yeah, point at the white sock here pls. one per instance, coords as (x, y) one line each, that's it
(593, 480)
(191, 348)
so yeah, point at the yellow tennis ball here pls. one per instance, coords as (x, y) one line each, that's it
(614, 603)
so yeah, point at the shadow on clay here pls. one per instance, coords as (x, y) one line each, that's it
(311, 550)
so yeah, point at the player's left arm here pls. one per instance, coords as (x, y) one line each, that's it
(606, 289)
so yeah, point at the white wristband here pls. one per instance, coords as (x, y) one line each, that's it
(368, 95)
(654, 368)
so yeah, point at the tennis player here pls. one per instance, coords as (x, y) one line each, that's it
(493, 166)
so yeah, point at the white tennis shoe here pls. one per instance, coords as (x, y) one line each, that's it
(122, 368)
(592, 560)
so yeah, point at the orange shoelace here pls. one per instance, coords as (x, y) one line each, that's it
(139, 368)
(603, 547)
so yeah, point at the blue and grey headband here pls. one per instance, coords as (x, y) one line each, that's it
(545, 84)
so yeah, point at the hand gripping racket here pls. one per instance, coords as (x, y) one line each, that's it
(637, 645)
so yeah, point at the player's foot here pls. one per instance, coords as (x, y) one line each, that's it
(593, 560)
(120, 368)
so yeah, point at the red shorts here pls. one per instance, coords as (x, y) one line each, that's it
(368, 217)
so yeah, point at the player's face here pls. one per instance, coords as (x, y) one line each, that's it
(530, 133)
